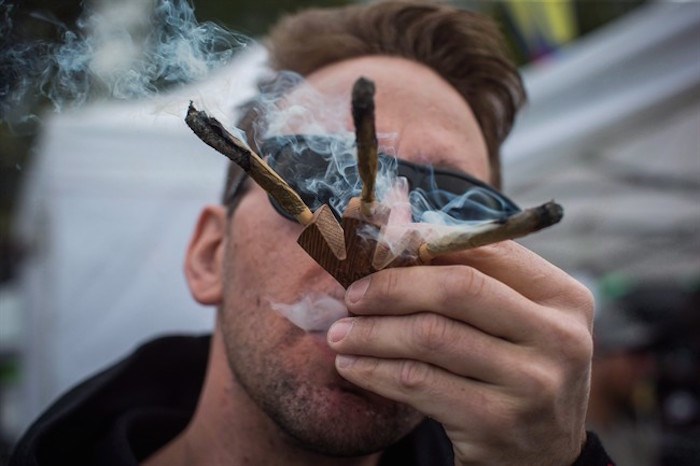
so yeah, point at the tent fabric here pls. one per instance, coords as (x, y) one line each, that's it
(111, 199)
(612, 134)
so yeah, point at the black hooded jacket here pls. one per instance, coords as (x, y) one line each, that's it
(127, 412)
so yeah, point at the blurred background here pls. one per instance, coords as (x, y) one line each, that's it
(97, 200)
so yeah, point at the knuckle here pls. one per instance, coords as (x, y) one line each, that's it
(573, 343)
(460, 281)
(390, 285)
(578, 345)
(366, 367)
(543, 384)
(583, 301)
(585, 296)
(431, 332)
(414, 375)
(364, 329)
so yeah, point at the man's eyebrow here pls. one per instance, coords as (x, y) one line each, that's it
(442, 160)
(438, 158)
(446, 164)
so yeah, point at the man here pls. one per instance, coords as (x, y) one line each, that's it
(483, 356)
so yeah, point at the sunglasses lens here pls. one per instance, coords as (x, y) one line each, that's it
(319, 167)
(444, 196)
(474, 206)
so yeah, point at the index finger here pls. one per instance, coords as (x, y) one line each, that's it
(461, 293)
(521, 269)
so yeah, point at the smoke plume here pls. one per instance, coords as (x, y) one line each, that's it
(122, 50)
(315, 312)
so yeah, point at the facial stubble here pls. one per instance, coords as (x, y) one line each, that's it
(311, 406)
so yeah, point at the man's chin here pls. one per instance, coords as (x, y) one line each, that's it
(347, 421)
(295, 384)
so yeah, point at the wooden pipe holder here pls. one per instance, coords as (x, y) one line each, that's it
(364, 253)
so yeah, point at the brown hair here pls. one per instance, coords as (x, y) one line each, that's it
(464, 47)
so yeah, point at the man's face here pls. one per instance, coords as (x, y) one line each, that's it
(290, 373)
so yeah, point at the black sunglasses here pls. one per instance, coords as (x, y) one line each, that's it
(322, 169)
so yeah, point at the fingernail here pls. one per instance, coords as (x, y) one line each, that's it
(343, 361)
(357, 290)
(338, 330)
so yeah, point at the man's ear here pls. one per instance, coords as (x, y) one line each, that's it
(205, 255)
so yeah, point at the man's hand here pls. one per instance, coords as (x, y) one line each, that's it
(494, 343)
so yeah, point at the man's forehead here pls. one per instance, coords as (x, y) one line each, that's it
(421, 117)
(399, 82)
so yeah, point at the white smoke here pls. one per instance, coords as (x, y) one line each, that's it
(134, 48)
(121, 49)
(321, 122)
(315, 312)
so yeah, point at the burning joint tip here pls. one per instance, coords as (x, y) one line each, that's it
(364, 85)
(195, 118)
(363, 94)
(550, 213)
(366, 140)
(213, 133)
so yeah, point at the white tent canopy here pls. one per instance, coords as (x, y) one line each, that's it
(613, 133)
(115, 189)
(111, 200)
